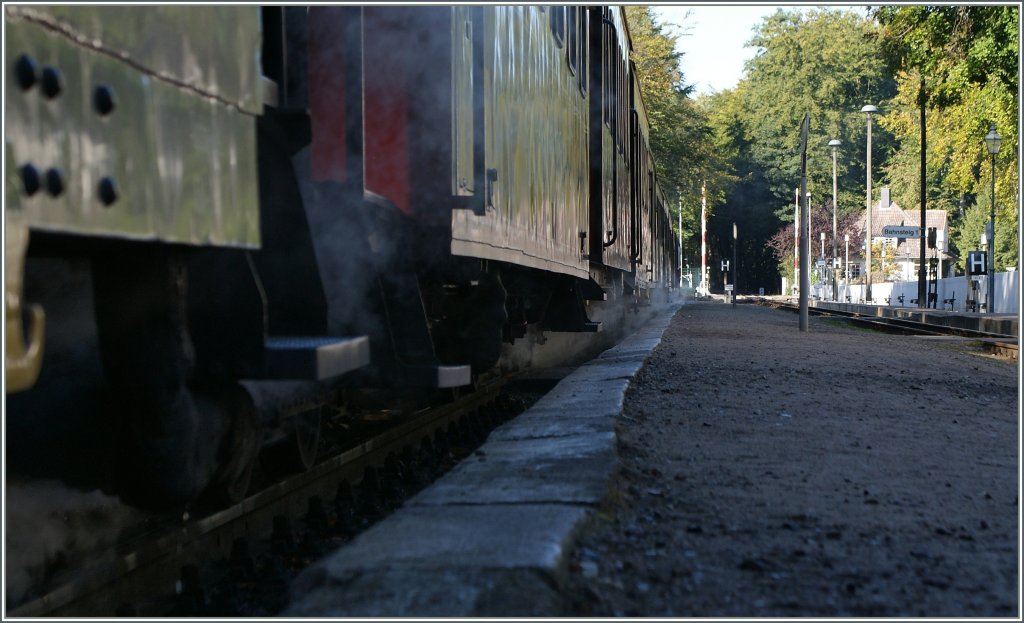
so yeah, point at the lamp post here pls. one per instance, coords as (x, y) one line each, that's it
(867, 243)
(992, 139)
(834, 144)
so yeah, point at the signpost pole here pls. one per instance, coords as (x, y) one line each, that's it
(805, 248)
(734, 237)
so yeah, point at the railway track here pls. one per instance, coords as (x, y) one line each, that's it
(169, 568)
(1001, 345)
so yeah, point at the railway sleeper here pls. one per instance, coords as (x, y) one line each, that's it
(346, 522)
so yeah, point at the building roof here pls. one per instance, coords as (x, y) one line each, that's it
(886, 213)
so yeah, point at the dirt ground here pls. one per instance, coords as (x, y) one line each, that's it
(837, 472)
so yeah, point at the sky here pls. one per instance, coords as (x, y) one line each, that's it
(713, 40)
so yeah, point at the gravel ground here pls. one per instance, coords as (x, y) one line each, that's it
(837, 472)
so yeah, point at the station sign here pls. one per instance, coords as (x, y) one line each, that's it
(899, 231)
(977, 263)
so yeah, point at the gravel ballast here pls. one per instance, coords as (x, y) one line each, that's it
(837, 472)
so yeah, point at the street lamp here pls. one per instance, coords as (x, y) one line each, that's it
(867, 244)
(993, 140)
(834, 144)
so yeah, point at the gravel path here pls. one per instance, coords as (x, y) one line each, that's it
(838, 472)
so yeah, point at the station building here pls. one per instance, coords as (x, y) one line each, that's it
(901, 256)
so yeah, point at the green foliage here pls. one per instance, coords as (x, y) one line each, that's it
(830, 63)
(967, 57)
(883, 262)
(826, 63)
(681, 137)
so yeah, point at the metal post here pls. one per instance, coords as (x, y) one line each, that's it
(796, 241)
(805, 250)
(993, 140)
(703, 240)
(822, 274)
(680, 243)
(846, 273)
(734, 237)
(922, 280)
(992, 242)
(867, 235)
(834, 143)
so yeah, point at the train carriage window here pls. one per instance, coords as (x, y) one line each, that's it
(558, 24)
(604, 80)
(572, 38)
(607, 69)
(576, 45)
(625, 99)
(621, 127)
(584, 40)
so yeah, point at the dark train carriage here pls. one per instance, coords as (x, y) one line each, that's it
(136, 191)
(109, 136)
(188, 187)
(535, 93)
(666, 257)
(612, 149)
(473, 124)
(644, 194)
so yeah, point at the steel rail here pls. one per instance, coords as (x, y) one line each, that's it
(998, 343)
(135, 576)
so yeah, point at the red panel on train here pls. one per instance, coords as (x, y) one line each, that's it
(388, 52)
(327, 94)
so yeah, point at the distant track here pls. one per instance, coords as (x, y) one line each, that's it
(996, 343)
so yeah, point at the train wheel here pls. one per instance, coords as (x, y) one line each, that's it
(178, 436)
(297, 452)
(239, 451)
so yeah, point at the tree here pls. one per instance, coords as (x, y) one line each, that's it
(681, 137)
(783, 242)
(827, 63)
(883, 261)
(967, 58)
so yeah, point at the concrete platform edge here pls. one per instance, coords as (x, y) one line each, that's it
(1004, 324)
(450, 553)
